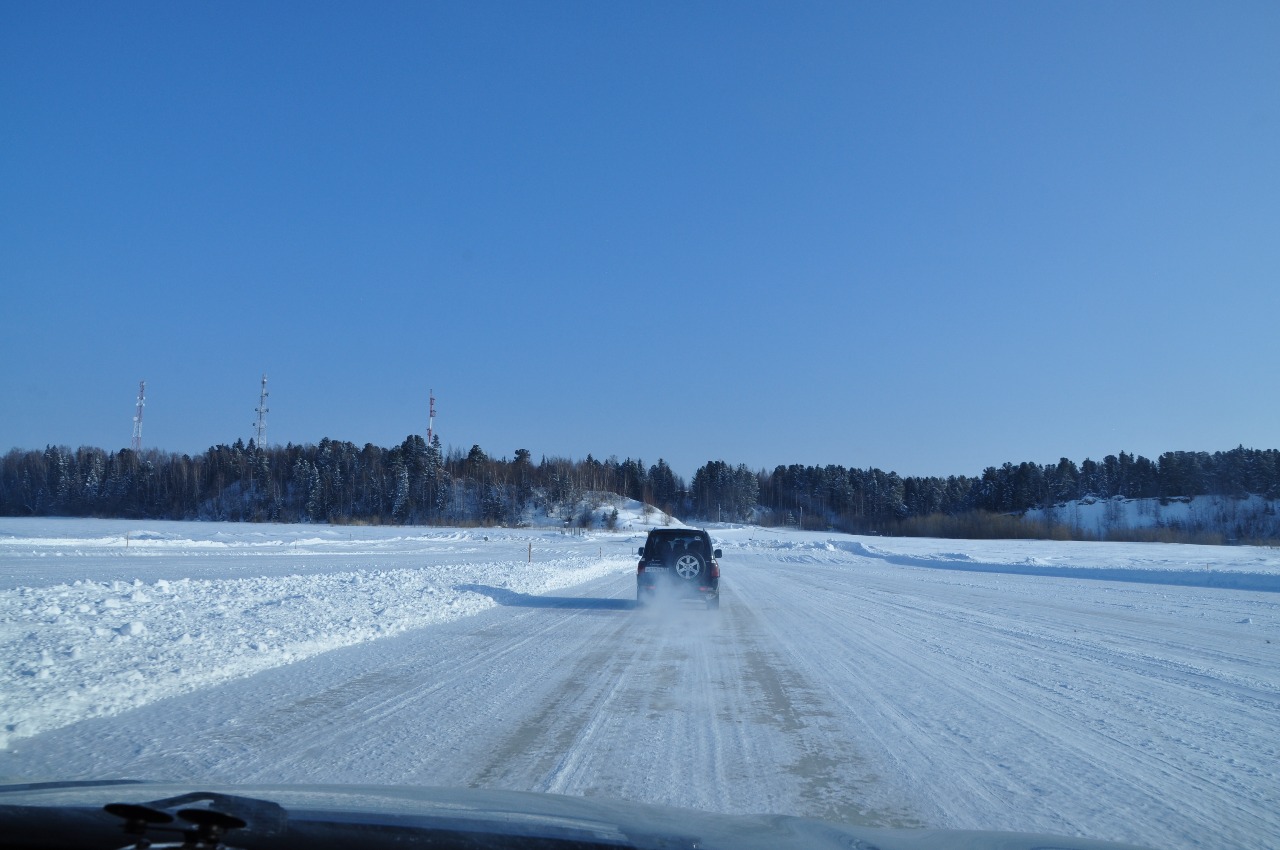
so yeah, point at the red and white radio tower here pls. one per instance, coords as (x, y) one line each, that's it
(431, 416)
(260, 427)
(137, 417)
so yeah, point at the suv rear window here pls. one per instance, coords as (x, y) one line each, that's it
(664, 542)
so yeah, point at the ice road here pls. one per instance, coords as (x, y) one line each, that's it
(1030, 686)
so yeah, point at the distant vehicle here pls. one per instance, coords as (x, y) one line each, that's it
(679, 563)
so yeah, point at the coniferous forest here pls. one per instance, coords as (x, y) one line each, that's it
(415, 483)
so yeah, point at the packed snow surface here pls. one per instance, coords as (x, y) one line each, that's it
(1121, 691)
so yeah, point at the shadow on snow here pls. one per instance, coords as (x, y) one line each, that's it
(512, 599)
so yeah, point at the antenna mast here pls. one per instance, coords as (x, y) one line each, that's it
(260, 427)
(431, 417)
(137, 417)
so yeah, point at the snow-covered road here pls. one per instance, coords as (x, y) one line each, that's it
(932, 683)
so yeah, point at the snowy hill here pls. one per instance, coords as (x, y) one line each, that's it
(599, 511)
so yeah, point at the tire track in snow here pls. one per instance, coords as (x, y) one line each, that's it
(548, 742)
(385, 701)
(632, 715)
(1088, 725)
(971, 684)
(681, 707)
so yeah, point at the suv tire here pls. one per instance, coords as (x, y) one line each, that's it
(690, 565)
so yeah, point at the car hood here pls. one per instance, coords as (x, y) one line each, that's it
(71, 814)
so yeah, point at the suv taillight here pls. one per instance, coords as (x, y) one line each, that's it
(640, 567)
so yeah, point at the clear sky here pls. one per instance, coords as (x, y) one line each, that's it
(926, 237)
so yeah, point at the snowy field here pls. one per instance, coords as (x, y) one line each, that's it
(1121, 691)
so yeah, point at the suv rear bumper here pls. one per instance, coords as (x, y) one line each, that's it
(651, 584)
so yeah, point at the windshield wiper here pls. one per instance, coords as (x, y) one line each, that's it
(208, 823)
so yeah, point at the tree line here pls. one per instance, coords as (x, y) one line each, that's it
(414, 483)
(418, 483)
(864, 500)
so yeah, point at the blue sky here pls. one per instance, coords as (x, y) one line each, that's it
(926, 237)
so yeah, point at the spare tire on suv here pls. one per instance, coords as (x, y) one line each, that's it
(679, 562)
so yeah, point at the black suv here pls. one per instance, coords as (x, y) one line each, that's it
(679, 561)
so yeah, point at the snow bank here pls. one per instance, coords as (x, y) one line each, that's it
(84, 648)
(1234, 567)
